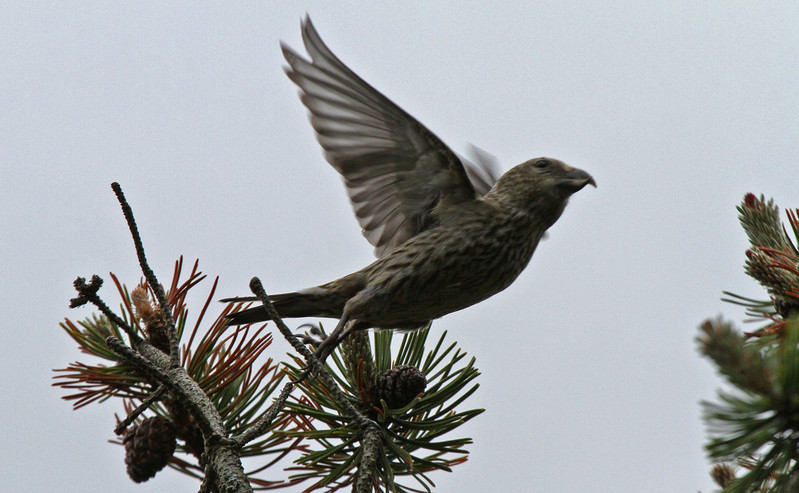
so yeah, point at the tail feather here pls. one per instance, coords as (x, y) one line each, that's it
(314, 302)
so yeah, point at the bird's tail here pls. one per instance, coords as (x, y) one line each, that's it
(314, 302)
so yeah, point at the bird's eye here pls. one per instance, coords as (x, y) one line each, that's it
(541, 163)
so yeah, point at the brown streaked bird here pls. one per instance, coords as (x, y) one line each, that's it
(446, 232)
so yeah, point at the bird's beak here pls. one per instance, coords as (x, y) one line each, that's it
(575, 179)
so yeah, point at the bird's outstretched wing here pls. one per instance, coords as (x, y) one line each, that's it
(396, 170)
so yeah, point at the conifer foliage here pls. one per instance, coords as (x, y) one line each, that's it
(754, 424)
(200, 395)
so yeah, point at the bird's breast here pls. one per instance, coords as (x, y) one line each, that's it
(446, 269)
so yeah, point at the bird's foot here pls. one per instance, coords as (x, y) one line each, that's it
(325, 344)
(314, 336)
(325, 348)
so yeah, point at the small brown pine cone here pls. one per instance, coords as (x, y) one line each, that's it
(157, 335)
(148, 447)
(723, 474)
(786, 307)
(400, 385)
(186, 428)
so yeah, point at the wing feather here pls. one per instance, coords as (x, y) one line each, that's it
(396, 171)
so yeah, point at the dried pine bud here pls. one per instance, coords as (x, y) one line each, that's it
(153, 318)
(148, 447)
(400, 385)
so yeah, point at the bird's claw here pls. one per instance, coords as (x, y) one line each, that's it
(314, 336)
(324, 349)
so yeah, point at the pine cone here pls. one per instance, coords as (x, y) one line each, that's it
(186, 428)
(148, 447)
(786, 307)
(400, 385)
(723, 474)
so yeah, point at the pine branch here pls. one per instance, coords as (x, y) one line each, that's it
(152, 280)
(212, 394)
(221, 456)
(756, 424)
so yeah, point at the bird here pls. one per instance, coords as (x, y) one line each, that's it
(447, 232)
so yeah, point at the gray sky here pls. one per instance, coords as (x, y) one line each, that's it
(590, 375)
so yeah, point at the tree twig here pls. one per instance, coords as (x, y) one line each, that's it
(320, 370)
(364, 483)
(155, 365)
(146, 403)
(152, 280)
(87, 293)
(372, 433)
(265, 421)
(221, 455)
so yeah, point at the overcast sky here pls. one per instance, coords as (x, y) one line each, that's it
(590, 374)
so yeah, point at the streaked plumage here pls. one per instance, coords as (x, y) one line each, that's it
(446, 235)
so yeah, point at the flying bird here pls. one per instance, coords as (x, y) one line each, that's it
(446, 232)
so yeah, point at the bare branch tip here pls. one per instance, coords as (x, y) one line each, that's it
(257, 288)
(86, 292)
(117, 188)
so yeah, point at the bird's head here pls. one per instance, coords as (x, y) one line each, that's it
(540, 186)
